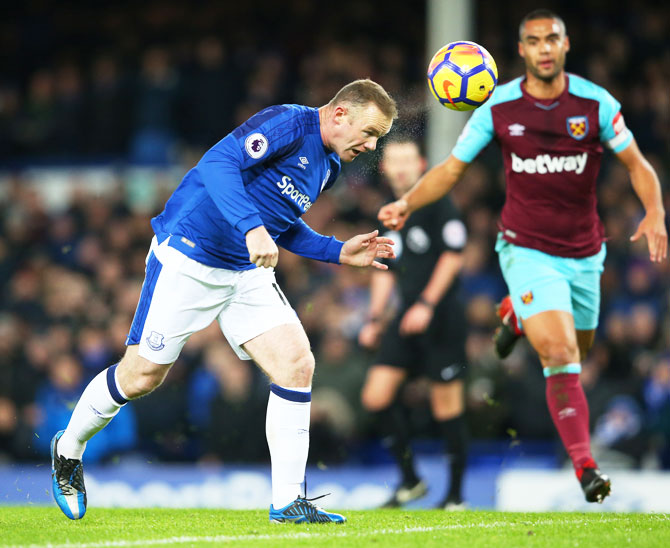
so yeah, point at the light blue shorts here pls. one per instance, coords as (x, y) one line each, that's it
(539, 282)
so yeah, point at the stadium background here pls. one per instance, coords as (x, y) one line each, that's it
(104, 108)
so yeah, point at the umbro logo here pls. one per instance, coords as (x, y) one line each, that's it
(98, 413)
(303, 162)
(516, 130)
(567, 412)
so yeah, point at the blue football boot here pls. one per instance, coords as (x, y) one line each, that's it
(301, 510)
(67, 478)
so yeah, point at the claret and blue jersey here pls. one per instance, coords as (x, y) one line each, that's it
(552, 150)
(268, 171)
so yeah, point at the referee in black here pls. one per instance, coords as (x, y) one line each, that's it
(426, 337)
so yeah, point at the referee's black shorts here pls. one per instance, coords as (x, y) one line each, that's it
(438, 353)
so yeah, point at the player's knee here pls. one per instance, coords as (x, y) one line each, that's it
(303, 368)
(138, 376)
(555, 352)
(373, 399)
(380, 388)
(446, 400)
(378, 394)
(145, 383)
(446, 410)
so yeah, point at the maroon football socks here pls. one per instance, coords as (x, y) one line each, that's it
(570, 413)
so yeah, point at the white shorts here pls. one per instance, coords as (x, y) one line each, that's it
(181, 296)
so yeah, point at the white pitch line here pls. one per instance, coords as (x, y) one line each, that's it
(305, 535)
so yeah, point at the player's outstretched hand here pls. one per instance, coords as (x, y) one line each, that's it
(653, 228)
(394, 215)
(362, 250)
(262, 249)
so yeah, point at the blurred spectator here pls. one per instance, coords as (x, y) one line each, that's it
(69, 112)
(620, 429)
(227, 401)
(657, 403)
(164, 434)
(34, 132)
(212, 85)
(336, 408)
(107, 109)
(156, 109)
(10, 108)
(54, 402)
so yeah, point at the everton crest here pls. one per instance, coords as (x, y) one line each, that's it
(155, 341)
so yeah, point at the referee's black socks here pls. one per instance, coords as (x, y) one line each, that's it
(392, 426)
(455, 434)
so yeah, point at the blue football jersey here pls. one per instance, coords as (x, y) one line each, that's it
(268, 171)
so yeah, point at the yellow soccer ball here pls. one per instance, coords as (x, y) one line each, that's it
(462, 75)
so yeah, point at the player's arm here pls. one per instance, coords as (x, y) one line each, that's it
(361, 250)
(648, 188)
(616, 136)
(364, 250)
(306, 242)
(381, 288)
(420, 314)
(221, 167)
(220, 170)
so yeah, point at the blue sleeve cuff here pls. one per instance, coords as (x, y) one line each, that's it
(333, 250)
(245, 224)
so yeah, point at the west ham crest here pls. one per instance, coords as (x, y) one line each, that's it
(527, 297)
(578, 127)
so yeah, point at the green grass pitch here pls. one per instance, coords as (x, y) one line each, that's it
(45, 526)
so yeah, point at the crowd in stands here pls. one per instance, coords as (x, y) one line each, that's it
(157, 84)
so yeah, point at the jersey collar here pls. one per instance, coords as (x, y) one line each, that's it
(545, 104)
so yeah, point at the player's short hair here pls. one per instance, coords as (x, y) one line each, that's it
(540, 14)
(363, 92)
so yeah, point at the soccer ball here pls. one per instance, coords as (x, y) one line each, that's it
(462, 75)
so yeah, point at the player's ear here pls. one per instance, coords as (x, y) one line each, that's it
(567, 44)
(521, 51)
(339, 113)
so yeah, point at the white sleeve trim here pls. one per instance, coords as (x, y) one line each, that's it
(622, 139)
